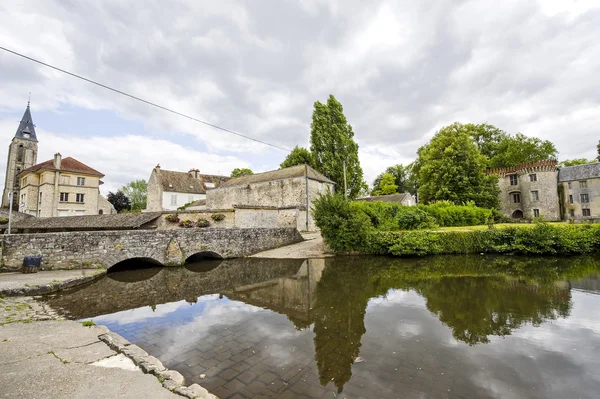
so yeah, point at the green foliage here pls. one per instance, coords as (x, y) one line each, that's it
(173, 218)
(517, 149)
(451, 168)
(237, 172)
(3, 220)
(88, 323)
(386, 185)
(186, 224)
(217, 217)
(401, 176)
(487, 138)
(119, 200)
(574, 162)
(343, 225)
(447, 214)
(332, 144)
(598, 150)
(202, 223)
(298, 156)
(137, 192)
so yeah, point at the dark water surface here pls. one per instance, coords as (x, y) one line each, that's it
(360, 327)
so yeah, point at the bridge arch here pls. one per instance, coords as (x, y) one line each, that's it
(135, 262)
(203, 255)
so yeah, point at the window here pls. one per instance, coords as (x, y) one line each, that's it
(514, 180)
(173, 199)
(535, 196)
(586, 212)
(64, 197)
(24, 181)
(20, 153)
(570, 199)
(533, 177)
(583, 184)
(572, 212)
(569, 185)
(585, 198)
(23, 199)
(81, 181)
(209, 185)
(100, 212)
(516, 198)
(65, 179)
(79, 197)
(536, 213)
(40, 199)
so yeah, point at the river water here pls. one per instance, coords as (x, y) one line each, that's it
(362, 327)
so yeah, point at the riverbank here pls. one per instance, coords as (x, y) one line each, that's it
(312, 247)
(42, 355)
(45, 282)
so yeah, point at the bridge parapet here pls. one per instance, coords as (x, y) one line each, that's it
(104, 249)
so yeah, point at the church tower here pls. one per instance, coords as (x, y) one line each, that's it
(22, 154)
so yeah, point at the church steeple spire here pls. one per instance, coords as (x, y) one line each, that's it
(26, 129)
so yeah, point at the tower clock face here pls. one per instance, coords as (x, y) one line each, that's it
(26, 135)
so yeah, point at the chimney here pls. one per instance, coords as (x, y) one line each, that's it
(194, 173)
(57, 160)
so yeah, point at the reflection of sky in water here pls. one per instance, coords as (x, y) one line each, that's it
(406, 351)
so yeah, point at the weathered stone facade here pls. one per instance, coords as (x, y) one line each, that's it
(284, 190)
(580, 186)
(529, 190)
(172, 247)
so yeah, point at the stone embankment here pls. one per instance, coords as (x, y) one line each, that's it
(43, 355)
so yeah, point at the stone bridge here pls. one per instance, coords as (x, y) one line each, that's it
(105, 249)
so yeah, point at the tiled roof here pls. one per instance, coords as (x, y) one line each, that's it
(67, 165)
(184, 182)
(89, 222)
(280, 174)
(387, 198)
(579, 172)
(26, 126)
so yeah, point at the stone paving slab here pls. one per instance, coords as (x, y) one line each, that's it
(32, 365)
(43, 282)
(312, 247)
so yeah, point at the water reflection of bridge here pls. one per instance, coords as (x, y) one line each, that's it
(475, 297)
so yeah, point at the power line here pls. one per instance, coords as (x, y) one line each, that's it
(142, 100)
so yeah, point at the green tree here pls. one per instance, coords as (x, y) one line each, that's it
(386, 185)
(298, 156)
(137, 192)
(119, 200)
(517, 149)
(452, 168)
(332, 144)
(400, 174)
(573, 162)
(598, 149)
(487, 138)
(237, 172)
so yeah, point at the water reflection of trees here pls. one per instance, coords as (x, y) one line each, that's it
(476, 297)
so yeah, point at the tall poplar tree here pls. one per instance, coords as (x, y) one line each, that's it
(332, 143)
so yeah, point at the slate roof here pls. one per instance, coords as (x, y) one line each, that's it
(26, 126)
(280, 174)
(184, 182)
(120, 221)
(399, 198)
(67, 165)
(579, 172)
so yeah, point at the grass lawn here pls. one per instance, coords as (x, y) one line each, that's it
(498, 226)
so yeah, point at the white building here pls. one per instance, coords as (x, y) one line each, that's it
(169, 190)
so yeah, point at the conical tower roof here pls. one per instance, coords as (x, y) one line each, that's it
(26, 128)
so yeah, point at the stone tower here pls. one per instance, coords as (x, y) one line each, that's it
(22, 154)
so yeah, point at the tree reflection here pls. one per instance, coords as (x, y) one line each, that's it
(476, 297)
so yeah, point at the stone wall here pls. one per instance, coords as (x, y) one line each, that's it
(593, 192)
(95, 249)
(227, 223)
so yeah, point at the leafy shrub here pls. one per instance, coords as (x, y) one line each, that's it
(3, 220)
(202, 223)
(217, 217)
(186, 224)
(173, 218)
(342, 224)
(446, 213)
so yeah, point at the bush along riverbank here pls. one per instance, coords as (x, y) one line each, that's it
(353, 227)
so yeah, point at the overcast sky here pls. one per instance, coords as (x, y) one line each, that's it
(401, 69)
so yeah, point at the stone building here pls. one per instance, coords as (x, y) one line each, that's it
(61, 187)
(285, 193)
(529, 190)
(169, 190)
(580, 187)
(22, 154)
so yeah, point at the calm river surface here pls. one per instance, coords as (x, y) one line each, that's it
(362, 327)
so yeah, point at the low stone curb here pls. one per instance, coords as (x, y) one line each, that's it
(52, 287)
(170, 379)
